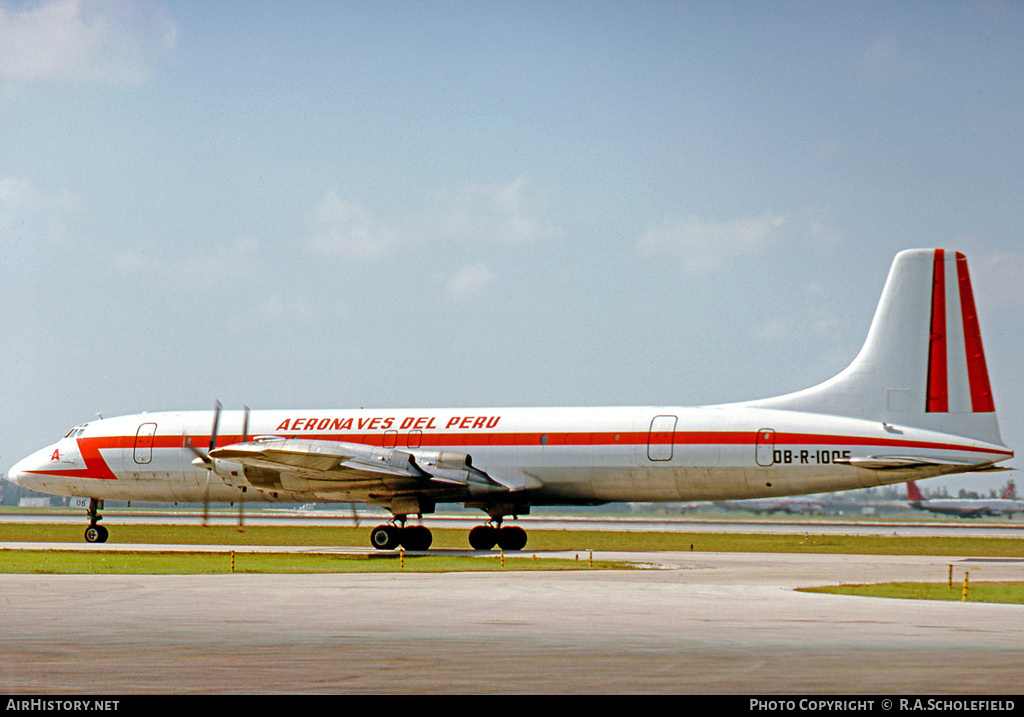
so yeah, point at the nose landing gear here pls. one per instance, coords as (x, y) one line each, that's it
(95, 533)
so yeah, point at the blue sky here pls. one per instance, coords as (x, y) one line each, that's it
(487, 203)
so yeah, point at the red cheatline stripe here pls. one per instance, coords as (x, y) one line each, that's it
(96, 467)
(937, 400)
(610, 440)
(977, 372)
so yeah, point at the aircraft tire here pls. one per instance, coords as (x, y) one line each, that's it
(417, 537)
(512, 538)
(386, 537)
(483, 537)
(96, 534)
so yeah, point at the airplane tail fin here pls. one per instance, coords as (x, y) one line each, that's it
(913, 492)
(922, 364)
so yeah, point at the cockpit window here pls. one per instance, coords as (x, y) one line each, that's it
(76, 431)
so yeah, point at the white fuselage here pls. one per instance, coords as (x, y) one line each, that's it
(551, 455)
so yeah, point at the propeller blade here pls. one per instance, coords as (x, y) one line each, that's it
(206, 501)
(216, 424)
(199, 454)
(245, 425)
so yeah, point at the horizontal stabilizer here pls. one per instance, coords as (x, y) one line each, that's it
(904, 462)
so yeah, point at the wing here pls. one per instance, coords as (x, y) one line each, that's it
(361, 472)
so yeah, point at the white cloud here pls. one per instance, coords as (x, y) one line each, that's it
(346, 230)
(996, 279)
(25, 206)
(292, 309)
(488, 213)
(469, 282)
(21, 195)
(15, 194)
(707, 245)
(83, 41)
(774, 331)
(704, 245)
(167, 266)
(478, 215)
(885, 63)
(814, 323)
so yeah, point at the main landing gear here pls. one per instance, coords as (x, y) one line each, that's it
(485, 537)
(95, 533)
(417, 537)
(390, 536)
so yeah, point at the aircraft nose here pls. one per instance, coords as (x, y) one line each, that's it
(21, 473)
(13, 475)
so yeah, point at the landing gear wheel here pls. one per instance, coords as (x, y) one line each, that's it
(96, 534)
(512, 538)
(386, 537)
(483, 537)
(417, 537)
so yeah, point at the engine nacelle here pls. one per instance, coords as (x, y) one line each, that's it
(232, 473)
(449, 466)
(443, 466)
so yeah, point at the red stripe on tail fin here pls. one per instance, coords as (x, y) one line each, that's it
(937, 400)
(977, 371)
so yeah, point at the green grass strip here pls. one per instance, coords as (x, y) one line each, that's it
(1000, 592)
(539, 540)
(223, 563)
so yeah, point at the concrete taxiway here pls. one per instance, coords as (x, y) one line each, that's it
(697, 622)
